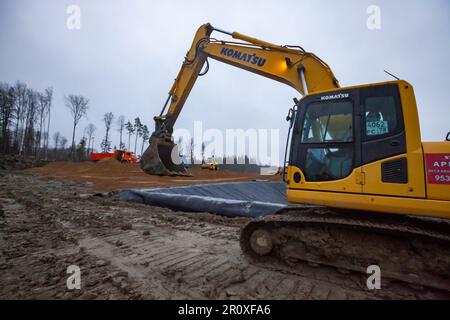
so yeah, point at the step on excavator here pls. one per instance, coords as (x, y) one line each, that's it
(365, 190)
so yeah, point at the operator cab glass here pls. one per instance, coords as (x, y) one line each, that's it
(338, 131)
(328, 122)
(324, 123)
(381, 117)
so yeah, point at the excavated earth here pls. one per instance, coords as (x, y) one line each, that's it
(134, 251)
(110, 174)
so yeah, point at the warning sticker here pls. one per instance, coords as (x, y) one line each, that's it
(438, 168)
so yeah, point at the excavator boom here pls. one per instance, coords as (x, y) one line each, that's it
(293, 66)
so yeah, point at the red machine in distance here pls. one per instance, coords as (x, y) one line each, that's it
(120, 155)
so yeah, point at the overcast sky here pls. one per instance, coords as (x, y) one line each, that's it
(127, 53)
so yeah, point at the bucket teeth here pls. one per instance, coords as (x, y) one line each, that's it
(157, 158)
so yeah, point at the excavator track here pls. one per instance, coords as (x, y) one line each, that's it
(410, 250)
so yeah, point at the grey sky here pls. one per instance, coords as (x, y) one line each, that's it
(127, 54)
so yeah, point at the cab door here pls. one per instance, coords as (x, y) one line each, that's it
(387, 166)
(326, 143)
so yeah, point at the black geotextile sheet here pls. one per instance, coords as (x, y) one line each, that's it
(247, 199)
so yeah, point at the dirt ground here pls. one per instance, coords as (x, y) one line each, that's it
(132, 251)
(110, 175)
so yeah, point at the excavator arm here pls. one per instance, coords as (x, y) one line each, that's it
(290, 65)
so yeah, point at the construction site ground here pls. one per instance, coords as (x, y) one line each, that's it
(111, 175)
(54, 216)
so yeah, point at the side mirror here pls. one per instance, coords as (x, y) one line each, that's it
(448, 136)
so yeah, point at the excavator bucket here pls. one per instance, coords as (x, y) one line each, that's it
(161, 158)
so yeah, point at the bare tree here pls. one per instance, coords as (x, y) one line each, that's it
(130, 131)
(49, 97)
(90, 130)
(7, 98)
(45, 137)
(81, 149)
(41, 110)
(20, 89)
(107, 119)
(92, 145)
(120, 127)
(145, 135)
(56, 138)
(191, 150)
(138, 130)
(180, 145)
(63, 142)
(203, 152)
(78, 106)
(28, 137)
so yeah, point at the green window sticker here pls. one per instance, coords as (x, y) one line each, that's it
(375, 128)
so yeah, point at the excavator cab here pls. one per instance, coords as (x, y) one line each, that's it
(362, 146)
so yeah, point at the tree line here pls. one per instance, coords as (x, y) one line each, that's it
(137, 129)
(187, 150)
(25, 122)
(25, 119)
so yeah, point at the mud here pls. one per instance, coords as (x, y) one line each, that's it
(133, 251)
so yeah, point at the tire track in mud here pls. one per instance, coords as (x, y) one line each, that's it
(129, 251)
(200, 269)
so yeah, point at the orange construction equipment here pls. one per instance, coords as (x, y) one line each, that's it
(120, 155)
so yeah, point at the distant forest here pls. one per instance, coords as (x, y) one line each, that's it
(26, 130)
(25, 126)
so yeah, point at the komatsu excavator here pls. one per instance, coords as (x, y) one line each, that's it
(365, 190)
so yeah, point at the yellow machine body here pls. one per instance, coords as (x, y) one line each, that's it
(424, 192)
(392, 172)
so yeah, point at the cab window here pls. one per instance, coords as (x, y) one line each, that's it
(328, 122)
(325, 164)
(381, 115)
(327, 136)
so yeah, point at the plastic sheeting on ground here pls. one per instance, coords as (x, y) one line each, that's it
(248, 199)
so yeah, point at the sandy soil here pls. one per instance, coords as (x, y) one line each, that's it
(131, 251)
(110, 175)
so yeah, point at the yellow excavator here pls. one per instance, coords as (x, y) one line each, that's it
(211, 164)
(365, 190)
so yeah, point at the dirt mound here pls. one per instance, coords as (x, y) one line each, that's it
(110, 175)
(106, 167)
(111, 165)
